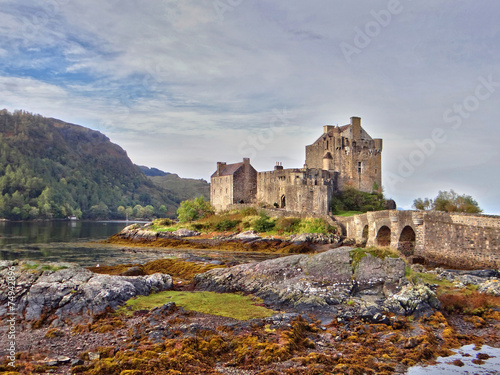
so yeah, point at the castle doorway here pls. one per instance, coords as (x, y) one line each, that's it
(384, 236)
(406, 243)
(282, 201)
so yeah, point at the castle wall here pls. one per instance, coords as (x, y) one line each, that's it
(221, 192)
(342, 156)
(245, 185)
(301, 190)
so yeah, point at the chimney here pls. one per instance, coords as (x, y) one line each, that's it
(327, 128)
(278, 166)
(246, 160)
(356, 128)
(220, 167)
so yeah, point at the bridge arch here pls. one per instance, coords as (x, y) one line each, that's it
(406, 242)
(383, 236)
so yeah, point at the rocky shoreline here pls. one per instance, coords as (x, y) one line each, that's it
(243, 241)
(340, 310)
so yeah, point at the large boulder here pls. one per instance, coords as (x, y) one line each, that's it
(304, 281)
(71, 291)
(412, 300)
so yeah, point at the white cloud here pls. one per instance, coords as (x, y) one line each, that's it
(181, 87)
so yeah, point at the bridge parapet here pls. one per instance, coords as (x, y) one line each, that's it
(452, 239)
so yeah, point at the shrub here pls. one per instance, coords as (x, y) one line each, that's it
(473, 303)
(314, 226)
(248, 211)
(263, 224)
(194, 209)
(164, 222)
(287, 224)
(226, 224)
(354, 200)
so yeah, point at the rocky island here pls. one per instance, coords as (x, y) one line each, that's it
(316, 307)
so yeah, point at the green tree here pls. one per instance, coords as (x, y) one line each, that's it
(149, 212)
(138, 211)
(422, 204)
(99, 211)
(194, 209)
(448, 201)
(351, 199)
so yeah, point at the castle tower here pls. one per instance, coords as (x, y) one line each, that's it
(350, 151)
(328, 162)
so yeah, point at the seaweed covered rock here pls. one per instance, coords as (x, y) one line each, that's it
(50, 290)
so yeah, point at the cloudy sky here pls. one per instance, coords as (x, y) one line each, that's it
(182, 84)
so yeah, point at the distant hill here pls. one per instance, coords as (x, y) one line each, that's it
(152, 172)
(183, 188)
(53, 169)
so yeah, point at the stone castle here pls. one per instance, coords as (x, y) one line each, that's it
(342, 156)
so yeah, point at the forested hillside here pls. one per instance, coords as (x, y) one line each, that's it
(52, 169)
(182, 188)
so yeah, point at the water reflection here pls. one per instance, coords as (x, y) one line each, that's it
(75, 242)
(465, 355)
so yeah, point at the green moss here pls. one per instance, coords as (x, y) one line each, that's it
(230, 305)
(359, 253)
(45, 267)
(427, 278)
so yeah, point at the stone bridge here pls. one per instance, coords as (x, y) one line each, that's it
(455, 240)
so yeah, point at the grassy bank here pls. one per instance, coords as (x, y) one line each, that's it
(248, 219)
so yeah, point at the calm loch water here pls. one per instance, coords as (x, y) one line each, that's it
(58, 241)
(78, 242)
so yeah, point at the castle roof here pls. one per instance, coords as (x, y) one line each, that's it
(229, 170)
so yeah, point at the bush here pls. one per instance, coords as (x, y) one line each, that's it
(194, 209)
(448, 201)
(263, 224)
(164, 222)
(248, 211)
(314, 226)
(288, 224)
(354, 200)
(226, 224)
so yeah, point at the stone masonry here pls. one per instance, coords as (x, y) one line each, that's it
(341, 156)
(457, 240)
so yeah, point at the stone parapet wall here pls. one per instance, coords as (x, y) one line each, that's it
(455, 240)
(461, 240)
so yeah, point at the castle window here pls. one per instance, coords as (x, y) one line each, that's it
(326, 145)
(359, 167)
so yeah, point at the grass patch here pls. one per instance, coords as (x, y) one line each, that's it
(348, 213)
(427, 278)
(229, 305)
(44, 267)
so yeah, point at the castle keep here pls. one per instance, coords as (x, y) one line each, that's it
(341, 156)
